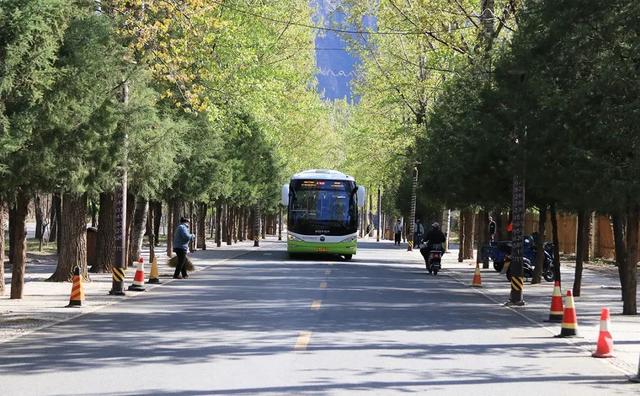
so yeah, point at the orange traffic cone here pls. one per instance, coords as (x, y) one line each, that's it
(569, 318)
(77, 292)
(604, 347)
(153, 275)
(138, 278)
(477, 281)
(556, 311)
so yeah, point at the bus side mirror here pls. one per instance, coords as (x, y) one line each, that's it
(362, 196)
(284, 199)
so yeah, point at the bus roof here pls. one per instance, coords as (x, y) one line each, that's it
(322, 174)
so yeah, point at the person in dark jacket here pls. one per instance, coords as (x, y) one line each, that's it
(181, 239)
(433, 237)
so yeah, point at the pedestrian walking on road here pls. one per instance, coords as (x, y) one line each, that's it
(181, 238)
(397, 232)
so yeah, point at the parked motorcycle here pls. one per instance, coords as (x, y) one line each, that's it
(500, 252)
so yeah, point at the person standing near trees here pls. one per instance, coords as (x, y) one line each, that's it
(181, 238)
(397, 232)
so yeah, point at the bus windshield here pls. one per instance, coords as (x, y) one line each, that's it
(322, 207)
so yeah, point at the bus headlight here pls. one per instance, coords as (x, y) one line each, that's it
(352, 238)
(294, 238)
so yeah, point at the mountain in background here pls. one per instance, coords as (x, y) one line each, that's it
(336, 65)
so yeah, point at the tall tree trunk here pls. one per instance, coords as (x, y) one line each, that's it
(590, 255)
(202, 226)
(264, 227)
(3, 222)
(212, 222)
(629, 270)
(73, 244)
(539, 264)
(228, 221)
(39, 216)
(169, 228)
(461, 235)
(137, 229)
(19, 261)
(131, 209)
(194, 227)
(482, 232)
(13, 221)
(157, 220)
(106, 241)
(257, 216)
(234, 223)
(219, 224)
(176, 213)
(94, 213)
(500, 226)
(469, 228)
(581, 242)
(556, 243)
(241, 223)
(150, 234)
(55, 215)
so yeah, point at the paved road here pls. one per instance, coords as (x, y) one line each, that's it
(261, 324)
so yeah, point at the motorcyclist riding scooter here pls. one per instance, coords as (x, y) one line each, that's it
(432, 248)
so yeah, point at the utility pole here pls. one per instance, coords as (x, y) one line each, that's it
(518, 211)
(412, 215)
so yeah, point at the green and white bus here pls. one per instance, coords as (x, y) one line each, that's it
(322, 212)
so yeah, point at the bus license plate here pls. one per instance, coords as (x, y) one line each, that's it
(321, 250)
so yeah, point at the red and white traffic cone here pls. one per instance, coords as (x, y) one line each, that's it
(138, 278)
(556, 311)
(604, 348)
(569, 318)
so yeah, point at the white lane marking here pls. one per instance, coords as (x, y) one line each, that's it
(315, 305)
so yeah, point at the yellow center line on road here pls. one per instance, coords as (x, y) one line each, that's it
(323, 285)
(315, 305)
(303, 341)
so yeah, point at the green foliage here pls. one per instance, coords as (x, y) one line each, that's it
(31, 33)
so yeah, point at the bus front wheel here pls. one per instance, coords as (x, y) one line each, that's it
(348, 256)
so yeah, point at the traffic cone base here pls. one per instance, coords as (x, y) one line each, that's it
(153, 275)
(569, 319)
(604, 347)
(77, 292)
(477, 280)
(138, 278)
